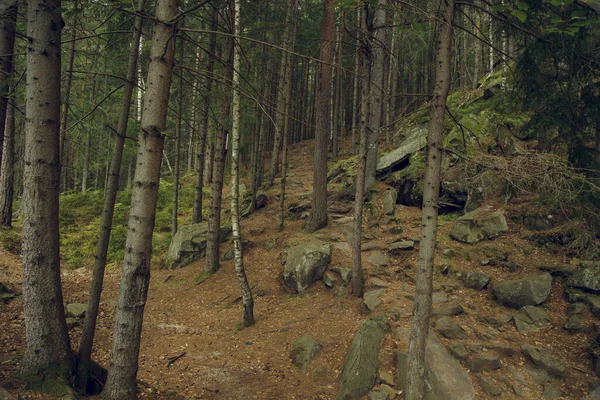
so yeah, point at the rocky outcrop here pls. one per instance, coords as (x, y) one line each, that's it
(305, 264)
(303, 351)
(524, 292)
(478, 225)
(587, 277)
(362, 360)
(189, 244)
(416, 139)
(544, 359)
(531, 319)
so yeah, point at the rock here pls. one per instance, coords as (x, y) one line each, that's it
(345, 274)
(373, 245)
(376, 282)
(377, 259)
(329, 279)
(449, 329)
(445, 269)
(551, 392)
(387, 378)
(575, 313)
(389, 201)
(72, 322)
(76, 310)
(488, 386)
(484, 362)
(475, 280)
(396, 230)
(416, 139)
(398, 248)
(371, 299)
(448, 309)
(544, 359)
(303, 351)
(305, 264)
(230, 255)
(388, 389)
(594, 303)
(459, 351)
(189, 244)
(587, 277)
(376, 395)
(272, 243)
(444, 374)
(594, 393)
(531, 319)
(261, 201)
(479, 225)
(361, 364)
(439, 298)
(562, 270)
(524, 292)
(538, 375)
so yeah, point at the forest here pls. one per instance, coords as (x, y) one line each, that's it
(300, 199)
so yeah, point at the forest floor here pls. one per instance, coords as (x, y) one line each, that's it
(200, 323)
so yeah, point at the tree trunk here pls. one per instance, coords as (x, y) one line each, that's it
(355, 101)
(247, 301)
(318, 215)
(431, 191)
(178, 134)
(121, 382)
(47, 346)
(376, 42)
(201, 171)
(65, 106)
(211, 264)
(8, 169)
(337, 95)
(8, 21)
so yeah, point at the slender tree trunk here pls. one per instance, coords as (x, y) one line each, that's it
(65, 106)
(318, 216)
(201, 170)
(247, 301)
(8, 169)
(355, 101)
(376, 41)
(337, 92)
(179, 133)
(431, 191)
(8, 21)
(211, 264)
(47, 340)
(121, 382)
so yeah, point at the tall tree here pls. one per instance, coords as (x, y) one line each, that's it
(89, 325)
(431, 193)
(240, 272)
(135, 278)
(8, 20)
(318, 215)
(7, 174)
(48, 344)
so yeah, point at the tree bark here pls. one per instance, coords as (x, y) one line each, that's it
(431, 192)
(355, 101)
(121, 382)
(8, 169)
(65, 106)
(318, 216)
(178, 134)
(47, 339)
(8, 21)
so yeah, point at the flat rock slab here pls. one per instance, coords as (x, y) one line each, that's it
(378, 259)
(372, 299)
(484, 362)
(544, 359)
(76, 310)
(448, 328)
(303, 351)
(478, 225)
(305, 264)
(416, 139)
(448, 309)
(531, 319)
(398, 248)
(524, 292)
(361, 364)
(189, 244)
(475, 280)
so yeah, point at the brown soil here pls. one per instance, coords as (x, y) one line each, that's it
(219, 360)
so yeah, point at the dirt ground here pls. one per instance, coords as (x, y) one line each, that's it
(200, 323)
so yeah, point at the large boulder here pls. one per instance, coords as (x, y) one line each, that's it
(362, 360)
(189, 244)
(305, 264)
(445, 378)
(478, 225)
(524, 292)
(587, 277)
(416, 139)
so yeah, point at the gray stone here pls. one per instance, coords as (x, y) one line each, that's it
(587, 277)
(594, 303)
(538, 375)
(373, 245)
(524, 292)
(416, 139)
(388, 389)
(371, 299)
(389, 201)
(531, 319)
(329, 279)
(400, 247)
(345, 274)
(230, 254)
(396, 230)
(189, 244)
(475, 280)
(562, 270)
(378, 259)
(448, 309)
(575, 313)
(387, 378)
(439, 298)
(76, 310)
(305, 264)
(551, 392)
(450, 329)
(489, 386)
(544, 359)
(479, 225)
(459, 351)
(376, 395)
(377, 282)
(484, 362)
(594, 393)
(361, 364)
(261, 201)
(303, 351)
(72, 322)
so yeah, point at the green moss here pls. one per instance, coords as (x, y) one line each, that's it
(201, 277)
(53, 380)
